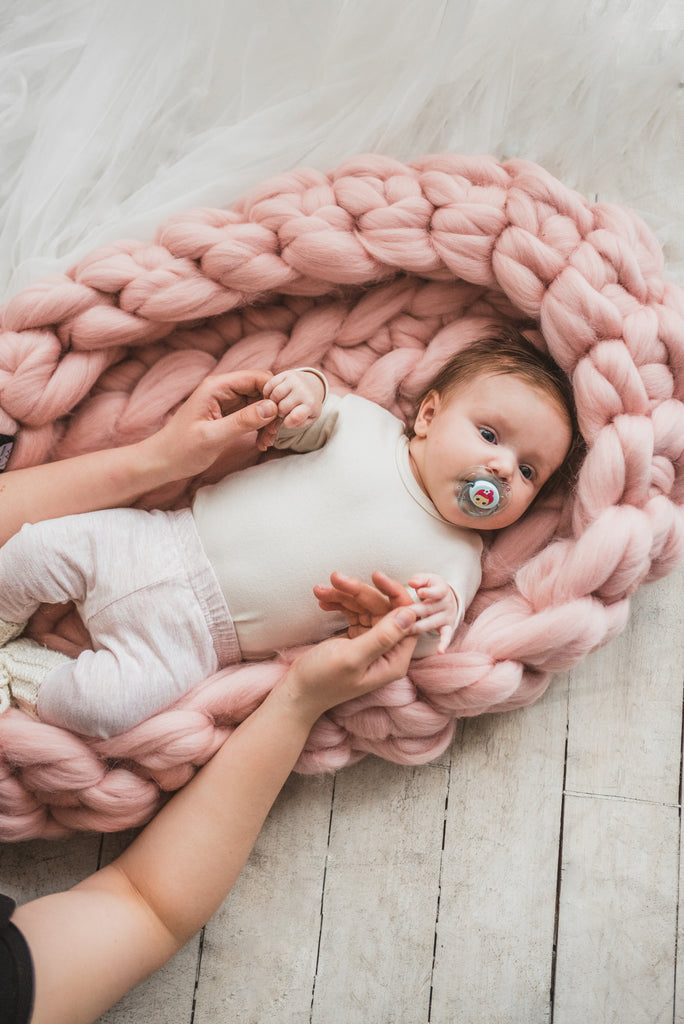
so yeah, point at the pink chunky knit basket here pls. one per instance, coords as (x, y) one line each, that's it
(377, 272)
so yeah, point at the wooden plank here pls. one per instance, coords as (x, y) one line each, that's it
(42, 866)
(617, 912)
(494, 952)
(259, 957)
(619, 898)
(625, 715)
(168, 995)
(381, 895)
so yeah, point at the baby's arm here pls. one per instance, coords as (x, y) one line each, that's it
(437, 607)
(299, 395)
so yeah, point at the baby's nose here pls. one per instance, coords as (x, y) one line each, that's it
(502, 463)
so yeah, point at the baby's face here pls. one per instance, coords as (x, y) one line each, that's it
(499, 421)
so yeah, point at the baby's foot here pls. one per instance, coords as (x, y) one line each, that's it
(24, 666)
(10, 630)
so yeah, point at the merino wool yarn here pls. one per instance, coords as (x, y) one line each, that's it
(377, 273)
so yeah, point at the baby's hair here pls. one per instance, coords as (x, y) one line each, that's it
(507, 351)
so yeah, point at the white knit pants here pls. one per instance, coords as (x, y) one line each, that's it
(149, 599)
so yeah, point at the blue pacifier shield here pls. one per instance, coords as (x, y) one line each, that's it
(481, 494)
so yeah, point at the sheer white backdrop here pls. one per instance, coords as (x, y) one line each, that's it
(113, 113)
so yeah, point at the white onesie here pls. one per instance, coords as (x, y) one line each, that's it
(349, 503)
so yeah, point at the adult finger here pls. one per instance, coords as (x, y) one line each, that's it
(250, 417)
(390, 631)
(331, 599)
(361, 596)
(398, 594)
(248, 383)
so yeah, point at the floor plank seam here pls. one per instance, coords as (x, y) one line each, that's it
(623, 799)
(439, 886)
(559, 875)
(198, 970)
(100, 852)
(322, 909)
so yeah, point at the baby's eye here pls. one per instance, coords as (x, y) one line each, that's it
(527, 472)
(488, 435)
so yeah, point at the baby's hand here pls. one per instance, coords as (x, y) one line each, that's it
(437, 607)
(209, 424)
(299, 396)
(363, 604)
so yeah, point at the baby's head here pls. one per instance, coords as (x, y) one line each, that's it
(502, 406)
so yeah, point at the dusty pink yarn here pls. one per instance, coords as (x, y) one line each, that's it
(377, 272)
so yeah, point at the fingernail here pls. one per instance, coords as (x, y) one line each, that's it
(265, 410)
(404, 619)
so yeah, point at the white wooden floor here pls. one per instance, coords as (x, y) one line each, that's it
(531, 876)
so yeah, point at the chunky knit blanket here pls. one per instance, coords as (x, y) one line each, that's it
(376, 272)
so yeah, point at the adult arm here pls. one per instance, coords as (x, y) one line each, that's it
(219, 411)
(92, 944)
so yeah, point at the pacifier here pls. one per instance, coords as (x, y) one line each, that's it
(480, 493)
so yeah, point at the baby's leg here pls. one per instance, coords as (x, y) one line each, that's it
(153, 643)
(48, 562)
(131, 676)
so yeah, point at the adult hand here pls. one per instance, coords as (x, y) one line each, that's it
(343, 667)
(363, 604)
(209, 423)
(220, 410)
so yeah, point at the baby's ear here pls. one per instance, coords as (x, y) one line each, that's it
(426, 413)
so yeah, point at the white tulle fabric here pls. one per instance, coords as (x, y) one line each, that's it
(116, 113)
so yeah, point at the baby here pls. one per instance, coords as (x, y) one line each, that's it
(171, 597)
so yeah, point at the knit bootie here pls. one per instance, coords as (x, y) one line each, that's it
(10, 630)
(24, 665)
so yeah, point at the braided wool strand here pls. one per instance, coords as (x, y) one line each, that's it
(378, 273)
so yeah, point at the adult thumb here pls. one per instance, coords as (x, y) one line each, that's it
(250, 417)
(387, 633)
